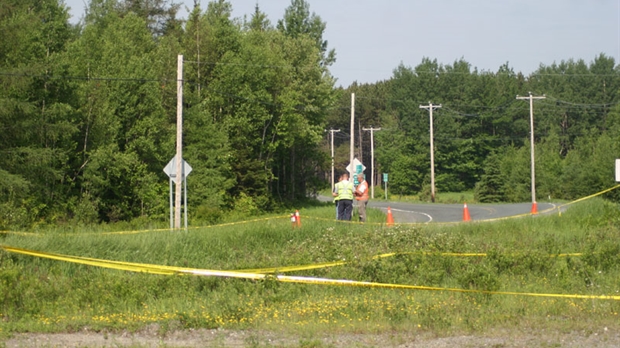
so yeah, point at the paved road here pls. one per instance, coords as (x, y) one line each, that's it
(422, 213)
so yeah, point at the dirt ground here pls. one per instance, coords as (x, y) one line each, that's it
(603, 338)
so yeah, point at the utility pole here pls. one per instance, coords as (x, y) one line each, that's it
(360, 154)
(352, 134)
(430, 108)
(531, 98)
(332, 131)
(372, 158)
(179, 156)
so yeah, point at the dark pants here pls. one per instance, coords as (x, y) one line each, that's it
(345, 208)
(337, 215)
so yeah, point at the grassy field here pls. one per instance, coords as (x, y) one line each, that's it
(521, 255)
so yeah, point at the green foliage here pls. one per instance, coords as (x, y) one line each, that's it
(491, 185)
(88, 116)
(298, 21)
(480, 116)
(524, 256)
(91, 130)
(479, 278)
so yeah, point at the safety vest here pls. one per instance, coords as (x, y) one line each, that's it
(364, 196)
(345, 190)
(336, 199)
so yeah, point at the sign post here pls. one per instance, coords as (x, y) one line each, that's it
(385, 180)
(171, 170)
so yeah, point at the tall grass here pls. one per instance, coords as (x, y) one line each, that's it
(522, 255)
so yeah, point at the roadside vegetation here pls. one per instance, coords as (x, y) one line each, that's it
(522, 255)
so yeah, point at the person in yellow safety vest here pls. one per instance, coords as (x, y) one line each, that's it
(344, 193)
(361, 195)
(336, 197)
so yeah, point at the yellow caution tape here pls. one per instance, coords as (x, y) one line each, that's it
(30, 234)
(287, 269)
(344, 282)
(125, 266)
(590, 196)
(168, 270)
(159, 269)
(151, 230)
(195, 227)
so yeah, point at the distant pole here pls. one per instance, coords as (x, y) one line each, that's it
(385, 190)
(352, 132)
(185, 199)
(372, 158)
(531, 98)
(331, 133)
(171, 205)
(430, 108)
(179, 156)
(360, 140)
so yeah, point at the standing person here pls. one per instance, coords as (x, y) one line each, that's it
(344, 193)
(361, 195)
(335, 193)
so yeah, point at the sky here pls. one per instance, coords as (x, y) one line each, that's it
(373, 37)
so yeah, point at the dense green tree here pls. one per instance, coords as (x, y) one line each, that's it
(125, 135)
(274, 116)
(159, 15)
(298, 21)
(35, 110)
(589, 168)
(490, 188)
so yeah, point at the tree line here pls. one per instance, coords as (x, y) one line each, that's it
(88, 115)
(482, 131)
(88, 111)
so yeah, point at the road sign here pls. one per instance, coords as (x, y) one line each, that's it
(354, 167)
(385, 180)
(171, 169)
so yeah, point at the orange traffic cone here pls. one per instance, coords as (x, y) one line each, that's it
(297, 218)
(466, 216)
(293, 221)
(534, 208)
(390, 218)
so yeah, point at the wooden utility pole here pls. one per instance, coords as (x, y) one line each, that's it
(372, 158)
(332, 131)
(532, 165)
(179, 156)
(352, 134)
(360, 154)
(430, 108)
